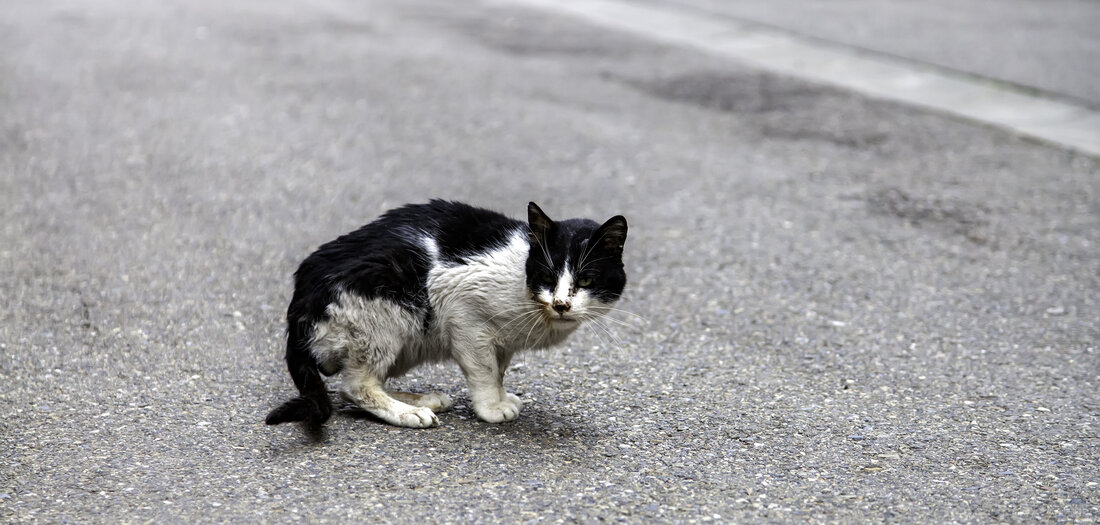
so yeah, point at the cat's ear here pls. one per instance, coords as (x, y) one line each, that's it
(611, 236)
(540, 224)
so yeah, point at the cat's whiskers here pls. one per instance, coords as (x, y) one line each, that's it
(586, 263)
(534, 323)
(603, 340)
(584, 255)
(591, 319)
(521, 317)
(619, 322)
(511, 310)
(546, 255)
(610, 309)
(589, 248)
(598, 323)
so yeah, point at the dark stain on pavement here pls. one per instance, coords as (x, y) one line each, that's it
(729, 92)
(954, 215)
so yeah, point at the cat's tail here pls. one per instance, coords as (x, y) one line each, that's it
(313, 404)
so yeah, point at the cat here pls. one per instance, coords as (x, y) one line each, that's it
(444, 280)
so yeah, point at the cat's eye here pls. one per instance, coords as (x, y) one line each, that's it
(584, 282)
(549, 280)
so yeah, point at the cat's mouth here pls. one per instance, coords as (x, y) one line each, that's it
(556, 319)
(559, 321)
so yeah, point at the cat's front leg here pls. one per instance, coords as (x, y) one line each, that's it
(503, 359)
(484, 379)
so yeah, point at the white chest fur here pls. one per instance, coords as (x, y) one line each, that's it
(487, 298)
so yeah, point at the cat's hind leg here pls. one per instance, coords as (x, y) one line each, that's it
(364, 389)
(436, 401)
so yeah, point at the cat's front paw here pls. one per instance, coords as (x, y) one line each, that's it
(497, 411)
(436, 402)
(514, 400)
(418, 417)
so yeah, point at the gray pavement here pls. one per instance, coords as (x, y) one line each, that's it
(853, 311)
(1050, 45)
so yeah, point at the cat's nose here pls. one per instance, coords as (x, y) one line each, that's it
(561, 308)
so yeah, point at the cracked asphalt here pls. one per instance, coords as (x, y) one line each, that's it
(841, 309)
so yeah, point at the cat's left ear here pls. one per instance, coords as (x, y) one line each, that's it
(611, 236)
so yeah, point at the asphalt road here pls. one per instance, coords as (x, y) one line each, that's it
(1050, 45)
(853, 311)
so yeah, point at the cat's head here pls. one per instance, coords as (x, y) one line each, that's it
(575, 267)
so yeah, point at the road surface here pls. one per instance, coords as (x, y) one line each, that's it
(843, 309)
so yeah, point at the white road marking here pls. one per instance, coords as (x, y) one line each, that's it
(983, 100)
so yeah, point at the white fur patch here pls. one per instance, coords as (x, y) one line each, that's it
(581, 303)
(487, 299)
(360, 331)
(431, 247)
(563, 292)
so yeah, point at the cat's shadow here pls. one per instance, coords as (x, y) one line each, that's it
(540, 428)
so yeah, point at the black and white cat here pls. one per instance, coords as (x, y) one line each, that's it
(444, 280)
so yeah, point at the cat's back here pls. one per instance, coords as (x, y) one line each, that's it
(459, 231)
(392, 256)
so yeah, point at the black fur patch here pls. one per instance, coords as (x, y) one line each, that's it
(385, 259)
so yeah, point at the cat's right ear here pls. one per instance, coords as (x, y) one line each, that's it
(538, 221)
(612, 235)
